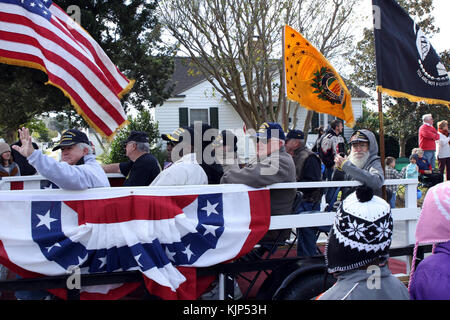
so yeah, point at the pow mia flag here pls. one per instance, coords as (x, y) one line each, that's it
(407, 64)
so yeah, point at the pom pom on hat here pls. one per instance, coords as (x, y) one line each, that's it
(364, 193)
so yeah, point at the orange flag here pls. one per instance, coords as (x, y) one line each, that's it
(312, 81)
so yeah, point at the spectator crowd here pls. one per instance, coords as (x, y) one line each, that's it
(284, 157)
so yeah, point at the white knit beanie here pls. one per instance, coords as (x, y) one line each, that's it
(4, 147)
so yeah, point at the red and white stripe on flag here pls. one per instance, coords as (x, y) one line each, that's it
(163, 232)
(39, 34)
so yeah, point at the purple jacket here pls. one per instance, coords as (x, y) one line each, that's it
(431, 280)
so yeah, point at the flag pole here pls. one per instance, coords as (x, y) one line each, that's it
(283, 106)
(382, 150)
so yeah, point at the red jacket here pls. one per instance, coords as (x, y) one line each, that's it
(427, 137)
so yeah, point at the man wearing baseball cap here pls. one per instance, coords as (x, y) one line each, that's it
(78, 169)
(363, 163)
(225, 150)
(186, 169)
(142, 168)
(273, 165)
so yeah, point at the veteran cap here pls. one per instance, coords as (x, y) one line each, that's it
(137, 136)
(295, 134)
(270, 130)
(71, 137)
(177, 135)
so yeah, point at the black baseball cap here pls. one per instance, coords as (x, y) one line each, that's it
(358, 136)
(71, 137)
(137, 136)
(295, 134)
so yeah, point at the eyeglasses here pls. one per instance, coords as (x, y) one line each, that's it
(262, 140)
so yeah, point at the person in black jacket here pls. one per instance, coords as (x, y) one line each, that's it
(308, 169)
(26, 169)
(142, 168)
(206, 159)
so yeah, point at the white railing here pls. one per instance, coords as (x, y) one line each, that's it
(34, 182)
(407, 215)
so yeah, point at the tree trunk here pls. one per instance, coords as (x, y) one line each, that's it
(402, 143)
(10, 135)
(308, 119)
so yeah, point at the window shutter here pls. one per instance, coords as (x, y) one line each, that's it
(214, 117)
(183, 116)
(314, 121)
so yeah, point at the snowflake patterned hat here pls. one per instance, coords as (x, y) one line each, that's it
(361, 233)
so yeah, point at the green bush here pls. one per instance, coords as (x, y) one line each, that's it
(143, 122)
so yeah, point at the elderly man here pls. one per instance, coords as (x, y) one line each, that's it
(225, 150)
(142, 168)
(78, 169)
(308, 169)
(363, 164)
(169, 147)
(428, 135)
(273, 165)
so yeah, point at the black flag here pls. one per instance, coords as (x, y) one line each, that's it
(407, 64)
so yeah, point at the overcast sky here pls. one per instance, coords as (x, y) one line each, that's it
(440, 42)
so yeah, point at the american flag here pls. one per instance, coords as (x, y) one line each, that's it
(163, 232)
(39, 34)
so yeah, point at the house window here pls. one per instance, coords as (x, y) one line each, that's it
(200, 115)
(188, 116)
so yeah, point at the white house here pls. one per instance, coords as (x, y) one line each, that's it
(194, 99)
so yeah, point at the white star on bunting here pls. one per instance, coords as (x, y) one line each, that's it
(188, 252)
(45, 220)
(137, 260)
(210, 229)
(53, 246)
(210, 208)
(103, 262)
(170, 255)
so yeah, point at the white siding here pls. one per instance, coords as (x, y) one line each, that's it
(200, 96)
